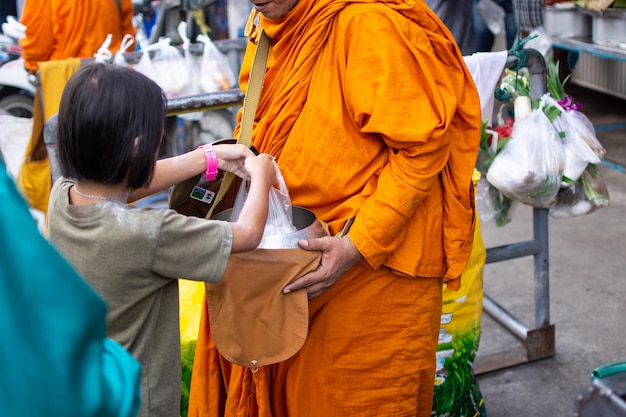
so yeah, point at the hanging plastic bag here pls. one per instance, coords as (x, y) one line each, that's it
(192, 62)
(493, 207)
(103, 54)
(585, 196)
(170, 68)
(279, 216)
(578, 143)
(216, 73)
(145, 65)
(127, 41)
(530, 166)
(581, 123)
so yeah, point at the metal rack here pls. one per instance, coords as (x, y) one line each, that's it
(598, 67)
(538, 341)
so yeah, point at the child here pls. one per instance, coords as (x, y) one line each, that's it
(110, 125)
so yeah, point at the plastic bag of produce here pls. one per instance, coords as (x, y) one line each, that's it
(585, 196)
(580, 145)
(216, 73)
(457, 393)
(530, 166)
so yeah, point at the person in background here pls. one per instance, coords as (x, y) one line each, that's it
(72, 28)
(55, 357)
(485, 37)
(457, 16)
(529, 16)
(374, 120)
(110, 126)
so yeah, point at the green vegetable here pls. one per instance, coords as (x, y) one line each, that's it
(592, 186)
(556, 88)
(187, 352)
(459, 395)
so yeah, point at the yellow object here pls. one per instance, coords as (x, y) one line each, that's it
(34, 178)
(191, 295)
(456, 389)
(200, 19)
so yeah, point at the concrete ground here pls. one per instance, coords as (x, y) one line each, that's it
(587, 296)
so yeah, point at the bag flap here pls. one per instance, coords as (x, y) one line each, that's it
(252, 322)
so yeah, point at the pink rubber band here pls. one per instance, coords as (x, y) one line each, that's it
(211, 162)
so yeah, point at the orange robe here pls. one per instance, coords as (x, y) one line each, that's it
(371, 112)
(60, 29)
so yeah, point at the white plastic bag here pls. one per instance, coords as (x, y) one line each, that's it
(170, 69)
(492, 14)
(493, 207)
(192, 63)
(144, 65)
(216, 73)
(127, 42)
(585, 196)
(530, 166)
(14, 136)
(541, 41)
(103, 54)
(279, 216)
(578, 143)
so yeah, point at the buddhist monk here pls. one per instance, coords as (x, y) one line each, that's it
(374, 120)
(60, 29)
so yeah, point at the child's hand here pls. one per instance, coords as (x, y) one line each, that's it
(232, 157)
(249, 227)
(262, 167)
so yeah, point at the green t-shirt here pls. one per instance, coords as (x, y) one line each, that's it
(133, 258)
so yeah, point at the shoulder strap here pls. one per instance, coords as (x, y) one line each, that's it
(250, 103)
(255, 84)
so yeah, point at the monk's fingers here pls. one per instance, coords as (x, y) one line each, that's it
(303, 282)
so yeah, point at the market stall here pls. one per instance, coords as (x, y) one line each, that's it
(594, 34)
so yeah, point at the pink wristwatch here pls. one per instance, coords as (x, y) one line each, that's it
(211, 162)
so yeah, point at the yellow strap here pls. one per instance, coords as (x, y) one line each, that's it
(250, 103)
(198, 16)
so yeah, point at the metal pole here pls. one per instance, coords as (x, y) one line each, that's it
(536, 65)
(503, 317)
(542, 263)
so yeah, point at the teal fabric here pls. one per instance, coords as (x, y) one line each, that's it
(55, 358)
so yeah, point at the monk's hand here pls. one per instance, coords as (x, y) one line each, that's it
(338, 255)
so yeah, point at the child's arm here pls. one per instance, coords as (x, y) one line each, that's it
(248, 229)
(171, 171)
